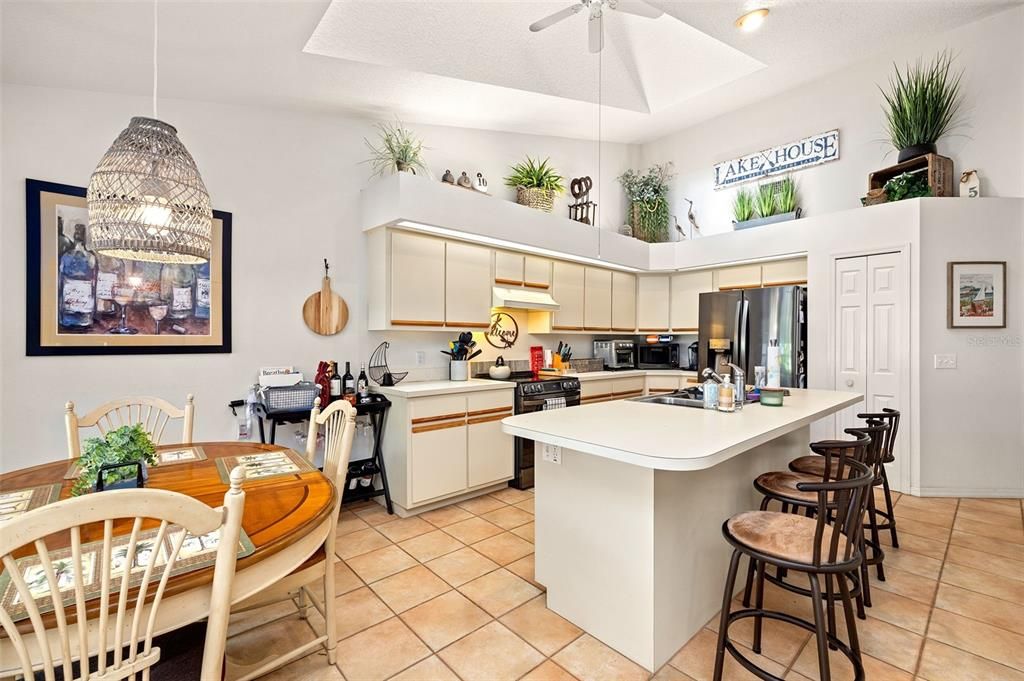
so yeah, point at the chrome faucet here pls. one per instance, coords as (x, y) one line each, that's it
(710, 373)
(739, 382)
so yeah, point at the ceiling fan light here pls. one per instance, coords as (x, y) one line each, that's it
(147, 200)
(751, 21)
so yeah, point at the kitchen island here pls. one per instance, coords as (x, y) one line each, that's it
(630, 500)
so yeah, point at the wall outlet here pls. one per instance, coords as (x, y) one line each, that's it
(421, 358)
(946, 361)
(552, 453)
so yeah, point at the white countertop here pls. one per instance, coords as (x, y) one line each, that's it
(427, 388)
(670, 438)
(592, 375)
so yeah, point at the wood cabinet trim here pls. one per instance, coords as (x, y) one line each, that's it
(662, 390)
(439, 417)
(600, 396)
(509, 282)
(495, 410)
(686, 328)
(622, 328)
(567, 328)
(488, 419)
(631, 393)
(413, 322)
(596, 328)
(740, 287)
(534, 284)
(656, 330)
(795, 282)
(471, 325)
(439, 426)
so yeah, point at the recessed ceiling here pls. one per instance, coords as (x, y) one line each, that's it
(648, 64)
(251, 53)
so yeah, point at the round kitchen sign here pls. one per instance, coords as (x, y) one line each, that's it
(503, 332)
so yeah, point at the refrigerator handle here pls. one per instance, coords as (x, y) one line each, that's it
(737, 334)
(743, 332)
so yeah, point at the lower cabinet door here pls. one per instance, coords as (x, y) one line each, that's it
(491, 457)
(437, 455)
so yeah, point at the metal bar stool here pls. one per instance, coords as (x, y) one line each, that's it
(813, 546)
(783, 486)
(813, 465)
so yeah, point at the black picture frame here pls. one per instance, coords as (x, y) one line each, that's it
(33, 268)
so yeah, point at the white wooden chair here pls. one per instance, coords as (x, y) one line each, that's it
(339, 420)
(78, 636)
(152, 412)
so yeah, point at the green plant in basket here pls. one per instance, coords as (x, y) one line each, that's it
(126, 444)
(743, 205)
(648, 201)
(765, 202)
(786, 195)
(532, 174)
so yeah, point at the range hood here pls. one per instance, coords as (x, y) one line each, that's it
(524, 299)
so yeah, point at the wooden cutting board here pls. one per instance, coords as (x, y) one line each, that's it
(325, 312)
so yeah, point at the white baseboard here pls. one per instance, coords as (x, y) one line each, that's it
(977, 492)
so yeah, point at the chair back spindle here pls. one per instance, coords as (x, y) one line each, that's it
(152, 413)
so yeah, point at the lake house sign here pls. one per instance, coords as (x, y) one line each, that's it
(810, 151)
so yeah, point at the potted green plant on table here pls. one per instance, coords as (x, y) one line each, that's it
(397, 150)
(124, 445)
(921, 105)
(536, 184)
(647, 193)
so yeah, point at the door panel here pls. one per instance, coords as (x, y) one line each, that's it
(508, 268)
(537, 272)
(623, 301)
(437, 460)
(467, 285)
(417, 280)
(491, 456)
(653, 303)
(850, 335)
(885, 341)
(773, 313)
(717, 323)
(686, 290)
(567, 289)
(597, 299)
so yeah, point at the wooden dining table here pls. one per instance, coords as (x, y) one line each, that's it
(286, 517)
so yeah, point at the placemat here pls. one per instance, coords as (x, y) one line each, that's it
(15, 502)
(196, 552)
(165, 457)
(263, 465)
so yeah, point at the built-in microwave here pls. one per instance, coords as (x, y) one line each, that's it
(617, 354)
(658, 356)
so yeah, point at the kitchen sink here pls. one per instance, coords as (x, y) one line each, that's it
(690, 397)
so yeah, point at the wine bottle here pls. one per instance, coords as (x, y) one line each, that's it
(64, 244)
(335, 382)
(363, 383)
(177, 285)
(77, 273)
(110, 275)
(348, 382)
(202, 290)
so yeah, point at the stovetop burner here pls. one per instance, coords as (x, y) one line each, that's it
(528, 384)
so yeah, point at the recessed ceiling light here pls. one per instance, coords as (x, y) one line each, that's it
(751, 21)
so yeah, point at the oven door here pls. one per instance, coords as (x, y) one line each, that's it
(524, 448)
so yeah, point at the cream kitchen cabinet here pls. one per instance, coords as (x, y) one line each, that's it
(623, 301)
(509, 268)
(592, 391)
(437, 459)
(662, 384)
(567, 287)
(536, 272)
(597, 299)
(467, 285)
(653, 303)
(417, 280)
(738, 276)
(783, 272)
(490, 451)
(630, 386)
(686, 288)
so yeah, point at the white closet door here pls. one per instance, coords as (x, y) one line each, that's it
(851, 335)
(886, 338)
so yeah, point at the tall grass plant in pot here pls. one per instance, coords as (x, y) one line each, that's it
(536, 183)
(922, 105)
(647, 192)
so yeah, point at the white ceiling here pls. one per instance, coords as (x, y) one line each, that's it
(469, 63)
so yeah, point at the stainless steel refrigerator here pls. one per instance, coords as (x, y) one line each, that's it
(736, 326)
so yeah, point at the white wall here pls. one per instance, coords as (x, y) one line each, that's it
(991, 52)
(292, 181)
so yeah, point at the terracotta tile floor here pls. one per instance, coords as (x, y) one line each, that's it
(450, 595)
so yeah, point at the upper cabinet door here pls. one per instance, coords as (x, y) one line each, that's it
(508, 268)
(417, 280)
(686, 290)
(783, 272)
(740, 276)
(623, 301)
(537, 272)
(597, 310)
(467, 290)
(567, 289)
(652, 310)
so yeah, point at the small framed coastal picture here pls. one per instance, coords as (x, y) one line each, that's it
(976, 295)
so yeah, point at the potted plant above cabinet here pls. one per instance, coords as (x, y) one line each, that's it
(921, 105)
(536, 184)
(397, 150)
(770, 202)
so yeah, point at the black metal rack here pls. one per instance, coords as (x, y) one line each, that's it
(374, 407)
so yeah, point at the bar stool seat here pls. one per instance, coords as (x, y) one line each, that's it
(783, 484)
(812, 464)
(787, 536)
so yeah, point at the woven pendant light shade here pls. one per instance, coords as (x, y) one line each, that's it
(147, 200)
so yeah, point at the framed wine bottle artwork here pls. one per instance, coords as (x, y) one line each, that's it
(80, 302)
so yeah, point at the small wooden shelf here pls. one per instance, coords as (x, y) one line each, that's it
(939, 171)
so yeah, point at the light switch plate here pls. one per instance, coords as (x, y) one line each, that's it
(552, 453)
(945, 361)
(421, 358)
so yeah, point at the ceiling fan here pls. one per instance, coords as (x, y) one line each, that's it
(595, 10)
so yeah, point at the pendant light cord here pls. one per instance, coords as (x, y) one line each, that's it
(156, 33)
(600, 81)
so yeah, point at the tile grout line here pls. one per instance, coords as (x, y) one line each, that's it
(935, 597)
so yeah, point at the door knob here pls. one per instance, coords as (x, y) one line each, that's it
(849, 383)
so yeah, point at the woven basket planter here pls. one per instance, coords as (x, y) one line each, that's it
(534, 197)
(649, 220)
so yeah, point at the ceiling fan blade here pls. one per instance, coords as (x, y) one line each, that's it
(596, 28)
(636, 7)
(553, 19)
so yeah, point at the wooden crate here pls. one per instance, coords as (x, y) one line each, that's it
(939, 169)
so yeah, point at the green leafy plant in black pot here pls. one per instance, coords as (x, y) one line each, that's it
(921, 105)
(127, 444)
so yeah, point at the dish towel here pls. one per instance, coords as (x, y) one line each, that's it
(554, 403)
